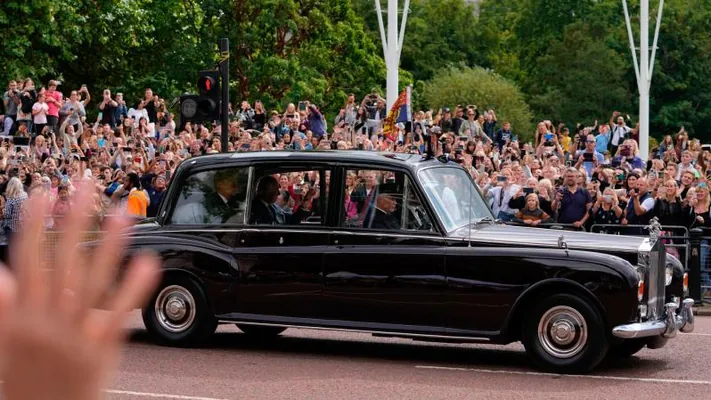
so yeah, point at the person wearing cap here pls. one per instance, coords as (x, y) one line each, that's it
(382, 216)
(446, 123)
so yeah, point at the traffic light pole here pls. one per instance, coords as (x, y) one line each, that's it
(225, 77)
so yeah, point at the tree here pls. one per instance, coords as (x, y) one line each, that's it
(579, 78)
(289, 50)
(484, 88)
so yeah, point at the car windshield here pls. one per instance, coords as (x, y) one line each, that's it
(454, 196)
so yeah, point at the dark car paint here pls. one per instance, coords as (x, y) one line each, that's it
(467, 283)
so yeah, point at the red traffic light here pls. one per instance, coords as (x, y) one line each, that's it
(206, 84)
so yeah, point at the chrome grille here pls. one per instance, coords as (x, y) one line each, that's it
(656, 280)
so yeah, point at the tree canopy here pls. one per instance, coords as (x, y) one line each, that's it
(483, 88)
(570, 58)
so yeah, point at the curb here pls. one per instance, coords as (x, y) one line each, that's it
(703, 311)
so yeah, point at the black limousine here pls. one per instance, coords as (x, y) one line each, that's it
(397, 245)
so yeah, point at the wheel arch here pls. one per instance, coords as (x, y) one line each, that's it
(512, 324)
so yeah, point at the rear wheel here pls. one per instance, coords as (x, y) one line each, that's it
(627, 348)
(261, 330)
(178, 313)
(565, 334)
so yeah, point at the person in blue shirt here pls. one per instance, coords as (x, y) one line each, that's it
(602, 139)
(589, 158)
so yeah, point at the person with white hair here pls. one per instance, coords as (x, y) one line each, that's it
(15, 196)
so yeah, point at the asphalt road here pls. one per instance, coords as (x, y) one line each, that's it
(309, 364)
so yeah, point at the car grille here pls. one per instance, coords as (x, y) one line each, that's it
(656, 280)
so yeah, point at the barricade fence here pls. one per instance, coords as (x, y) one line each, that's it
(691, 247)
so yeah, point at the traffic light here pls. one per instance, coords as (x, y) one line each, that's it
(208, 103)
(188, 109)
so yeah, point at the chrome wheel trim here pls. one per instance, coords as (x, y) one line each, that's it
(175, 309)
(562, 332)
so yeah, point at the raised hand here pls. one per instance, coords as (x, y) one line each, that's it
(55, 342)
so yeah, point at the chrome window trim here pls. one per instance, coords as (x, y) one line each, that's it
(322, 229)
(248, 198)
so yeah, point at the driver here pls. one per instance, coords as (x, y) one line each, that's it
(384, 214)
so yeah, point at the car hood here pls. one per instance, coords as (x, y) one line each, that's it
(507, 235)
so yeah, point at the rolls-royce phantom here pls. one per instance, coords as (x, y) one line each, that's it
(397, 245)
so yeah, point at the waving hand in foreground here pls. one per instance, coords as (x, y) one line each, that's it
(55, 342)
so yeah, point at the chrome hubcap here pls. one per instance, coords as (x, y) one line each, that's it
(175, 309)
(562, 332)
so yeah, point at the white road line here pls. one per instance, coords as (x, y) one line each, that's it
(696, 334)
(159, 395)
(598, 377)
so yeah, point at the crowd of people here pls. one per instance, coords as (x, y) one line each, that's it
(575, 176)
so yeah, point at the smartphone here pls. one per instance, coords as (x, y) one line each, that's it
(463, 138)
(501, 178)
(588, 157)
(549, 137)
(527, 191)
(84, 158)
(127, 149)
(302, 106)
(660, 174)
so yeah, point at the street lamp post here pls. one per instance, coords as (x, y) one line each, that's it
(392, 45)
(645, 68)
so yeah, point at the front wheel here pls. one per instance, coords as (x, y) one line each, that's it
(178, 313)
(565, 334)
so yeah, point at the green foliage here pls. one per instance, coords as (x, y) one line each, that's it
(593, 78)
(289, 50)
(485, 89)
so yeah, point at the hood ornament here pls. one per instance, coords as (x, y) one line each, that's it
(654, 228)
(562, 244)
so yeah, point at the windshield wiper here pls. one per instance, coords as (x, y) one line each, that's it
(477, 221)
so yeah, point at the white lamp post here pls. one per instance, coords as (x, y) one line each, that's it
(392, 45)
(645, 68)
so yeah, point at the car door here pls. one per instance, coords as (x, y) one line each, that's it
(382, 276)
(281, 265)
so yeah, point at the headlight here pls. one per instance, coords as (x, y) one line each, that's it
(669, 275)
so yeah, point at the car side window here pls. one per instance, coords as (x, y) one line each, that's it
(214, 197)
(383, 200)
(283, 196)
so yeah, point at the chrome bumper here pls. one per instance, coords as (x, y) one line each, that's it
(674, 321)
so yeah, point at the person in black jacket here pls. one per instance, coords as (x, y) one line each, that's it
(384, 215)
(265, 212)
(668, 207)
(518, 201)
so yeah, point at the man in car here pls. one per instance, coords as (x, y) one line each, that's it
(218, 207)
(265, 212)
(384, 216)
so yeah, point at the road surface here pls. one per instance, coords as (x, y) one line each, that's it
(311, 364)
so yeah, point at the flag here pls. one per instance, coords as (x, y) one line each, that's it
(401, 111)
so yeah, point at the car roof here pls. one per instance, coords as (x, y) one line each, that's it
(412, 161)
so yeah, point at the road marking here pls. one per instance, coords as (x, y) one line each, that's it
(697, 334)
(159, 395)
(598, 377)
